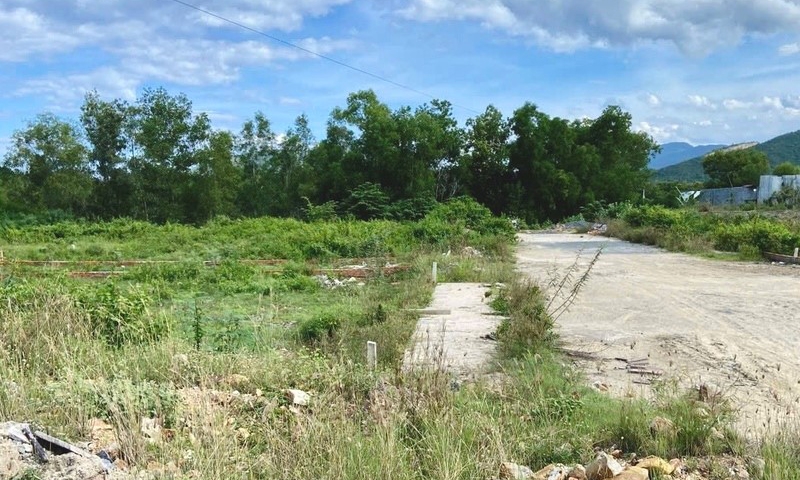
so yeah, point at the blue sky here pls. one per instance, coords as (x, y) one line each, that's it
(704, 71)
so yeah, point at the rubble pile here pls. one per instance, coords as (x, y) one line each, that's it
(612, 466)
(24, 449)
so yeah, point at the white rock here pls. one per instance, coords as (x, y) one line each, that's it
(298, 397)
(602, 467)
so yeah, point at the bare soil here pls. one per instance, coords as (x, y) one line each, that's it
(733, 326)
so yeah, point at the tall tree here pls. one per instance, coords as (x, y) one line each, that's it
(486, 159)
(254, 149)
(106, 126)
(50, 153)
(169, 136)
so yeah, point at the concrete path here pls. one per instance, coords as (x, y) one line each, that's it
(453, 340)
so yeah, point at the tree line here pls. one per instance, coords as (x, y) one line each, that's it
(159, 160)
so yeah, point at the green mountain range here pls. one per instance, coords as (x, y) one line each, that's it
(784, 148)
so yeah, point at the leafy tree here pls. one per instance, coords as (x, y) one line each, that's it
(169, 136)
(106, 126)
(734, 168)
(253, 150)
(486, 159)
(619, 161)
(54, 161)
(786, 168)
(215, 181)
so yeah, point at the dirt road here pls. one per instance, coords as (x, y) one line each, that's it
(733, 325)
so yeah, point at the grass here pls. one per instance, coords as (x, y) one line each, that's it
(209, 352)
(717, 234)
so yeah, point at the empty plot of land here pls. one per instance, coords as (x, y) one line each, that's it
(646, 314)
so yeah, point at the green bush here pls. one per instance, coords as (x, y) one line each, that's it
(122, 318)
(765, 235)
(318, 327)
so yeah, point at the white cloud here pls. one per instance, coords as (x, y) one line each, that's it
(27, 33)
(661, 133)
(694, 27)
(289, 101)
(653, 100)
(150, 41)
(701, 101)
(734, 104)
(789, 49)
(286, 15)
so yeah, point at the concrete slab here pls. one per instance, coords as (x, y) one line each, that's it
(456, 341)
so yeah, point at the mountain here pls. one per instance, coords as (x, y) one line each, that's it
(676, 152)
(784, 148)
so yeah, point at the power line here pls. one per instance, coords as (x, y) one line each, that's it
(316, 54)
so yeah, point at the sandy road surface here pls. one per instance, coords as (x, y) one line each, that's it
(733, 325)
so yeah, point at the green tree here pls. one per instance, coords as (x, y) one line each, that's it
(786, 168)
(618, 156)
(734, 168)
(51, 155)
(106, 125)
(215, 181)
(254, 148)
(169, 138)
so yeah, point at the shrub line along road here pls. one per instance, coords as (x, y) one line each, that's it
(732, 325)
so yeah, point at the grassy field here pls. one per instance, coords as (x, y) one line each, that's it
(208, 352)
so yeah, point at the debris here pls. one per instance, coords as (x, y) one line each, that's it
(578, 472)
(298, 397)
(633, 473)
(602, 467)
(150, 428)
(600, 386)
(657, 465)
(512, 471)
(662, 426)
(470, 252)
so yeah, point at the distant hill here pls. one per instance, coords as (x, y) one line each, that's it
(784, 148)
(676, 152)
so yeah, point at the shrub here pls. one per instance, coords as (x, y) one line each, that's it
(318, 327)
(122, 317)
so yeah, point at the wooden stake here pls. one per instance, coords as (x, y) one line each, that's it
(372, 355)
(434, 272)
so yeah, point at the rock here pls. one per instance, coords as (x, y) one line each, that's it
(602, 467)
(10, 460)
(103, 437)
(677, 465)
(577, 472)
(150, 429)
(662, 426)
(470, 252)
(557, 472)
(298, 397)
(633, 473)
(512, 471)
(600, 386)
(657, 465)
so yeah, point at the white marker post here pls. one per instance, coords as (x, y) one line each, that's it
(796, 251)
(372, 355)
(435, 272)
